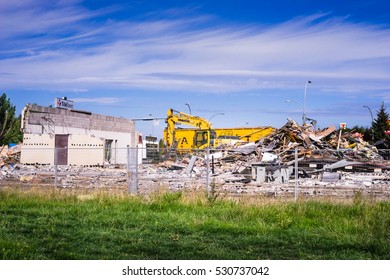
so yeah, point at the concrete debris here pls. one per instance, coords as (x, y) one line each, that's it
(319, 144)
(330, 177)
(329, 164)
(190, 166)
(10, 155)
(245, 149)
(27, 178)
(268, 157)
(342, 163)
(233, 178)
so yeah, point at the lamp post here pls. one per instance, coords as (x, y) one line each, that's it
(210, 144)
(189, 108)
(215, 115)
(372, 121)
(303, 115)
(304, 103)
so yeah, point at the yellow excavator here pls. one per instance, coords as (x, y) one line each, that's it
(184, 138)
(203, 135)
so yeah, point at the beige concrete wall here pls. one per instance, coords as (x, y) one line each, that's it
(37, 148)
(120, 142)
(82, 150)
(85, 150)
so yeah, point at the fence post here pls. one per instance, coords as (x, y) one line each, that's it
(132, 171)
(135, 183)
(212, 165)
(55, 168)
(296, 174)
(128, 170)
(208, 171)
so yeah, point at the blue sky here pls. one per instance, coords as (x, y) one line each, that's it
(242, 58)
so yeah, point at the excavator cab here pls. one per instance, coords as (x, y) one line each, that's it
(204, 138)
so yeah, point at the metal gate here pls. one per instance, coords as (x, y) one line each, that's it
(61, 151)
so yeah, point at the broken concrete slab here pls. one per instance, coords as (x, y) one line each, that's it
(341, 164)
(330, 177)
(268, 157)
(191, 165)
(246, 149)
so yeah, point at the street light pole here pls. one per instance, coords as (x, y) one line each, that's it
(215, 115)
(372, 122)
(304, 103)
(289, 100)
(189, 108)
(210, 141)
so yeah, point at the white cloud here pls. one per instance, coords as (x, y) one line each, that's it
(62, 48)
(99, 100)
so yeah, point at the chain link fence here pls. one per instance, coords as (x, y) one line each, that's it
(145, 170)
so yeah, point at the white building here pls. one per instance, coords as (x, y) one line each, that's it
(74, 137)
(148, 149)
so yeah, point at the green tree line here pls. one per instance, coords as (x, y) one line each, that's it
(376, 134)
(9, 124)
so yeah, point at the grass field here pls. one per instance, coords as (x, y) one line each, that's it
(53, 225)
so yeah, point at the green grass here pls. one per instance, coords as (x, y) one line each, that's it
(52, 225)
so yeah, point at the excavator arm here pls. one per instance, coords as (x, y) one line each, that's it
(176, 118)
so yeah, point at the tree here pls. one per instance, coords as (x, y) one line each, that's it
(15, 135)
(9, 124)
(356, 128)
(380, 125)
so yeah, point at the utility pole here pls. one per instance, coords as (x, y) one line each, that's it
(304, 103)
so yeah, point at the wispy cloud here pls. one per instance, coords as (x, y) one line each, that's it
(61, 47)
(99, 100)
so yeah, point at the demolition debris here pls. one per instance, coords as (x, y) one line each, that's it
(329, 163)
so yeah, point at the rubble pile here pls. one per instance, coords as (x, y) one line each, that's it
(326, 146)
(330, 163)
(268, 165)
(9, 157)
(317, 144)
(67, 176)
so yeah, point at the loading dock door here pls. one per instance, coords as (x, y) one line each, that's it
(61, 145)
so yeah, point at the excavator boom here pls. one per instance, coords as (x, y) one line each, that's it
(203, 135)
(175, 118)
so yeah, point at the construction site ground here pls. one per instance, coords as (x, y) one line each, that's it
(330, 163)
(173, 177)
